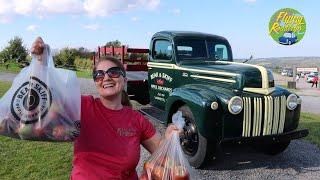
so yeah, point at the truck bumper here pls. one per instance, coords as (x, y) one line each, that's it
(296, 134)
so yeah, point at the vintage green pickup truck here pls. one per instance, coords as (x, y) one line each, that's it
(221, 100)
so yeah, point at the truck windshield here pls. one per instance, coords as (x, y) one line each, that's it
(217, 51)
(192, 49)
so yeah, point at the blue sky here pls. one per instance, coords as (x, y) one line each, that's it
(89, 23)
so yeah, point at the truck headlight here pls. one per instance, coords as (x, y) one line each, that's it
(292, 102)
(235, 105)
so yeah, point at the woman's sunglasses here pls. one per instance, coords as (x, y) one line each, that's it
(113, 72)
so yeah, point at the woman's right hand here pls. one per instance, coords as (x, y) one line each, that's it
(38, 47)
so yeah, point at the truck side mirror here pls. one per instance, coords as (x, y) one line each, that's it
(154, 53)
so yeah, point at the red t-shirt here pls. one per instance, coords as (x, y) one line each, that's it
(109, 143)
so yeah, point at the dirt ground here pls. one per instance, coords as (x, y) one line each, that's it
(310, 95)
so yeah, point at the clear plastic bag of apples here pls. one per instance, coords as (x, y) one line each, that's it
(43, 103)
(169, 161)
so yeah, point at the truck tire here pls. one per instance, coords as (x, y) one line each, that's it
(272, 148)
(197, 148)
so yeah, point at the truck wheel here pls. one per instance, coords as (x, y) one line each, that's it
(194, 145)
(273, 148)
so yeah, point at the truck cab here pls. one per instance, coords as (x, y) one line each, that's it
(221, 100)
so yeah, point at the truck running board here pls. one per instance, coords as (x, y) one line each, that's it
(154, 113)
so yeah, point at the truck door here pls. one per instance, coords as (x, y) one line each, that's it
(160, 72)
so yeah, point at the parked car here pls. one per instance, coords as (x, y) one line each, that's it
(284, 73)
(287, 72)
(310, 78)
(315, 73)
(288, 38)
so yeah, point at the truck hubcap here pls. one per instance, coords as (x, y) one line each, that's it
(189, 141)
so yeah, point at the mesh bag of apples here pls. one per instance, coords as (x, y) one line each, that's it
(43, 102)
(168, 162)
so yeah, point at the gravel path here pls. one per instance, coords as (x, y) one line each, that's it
(301, 160)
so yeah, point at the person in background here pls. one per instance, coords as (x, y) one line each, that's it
(315, 81)
(297, 78)
(111, 131)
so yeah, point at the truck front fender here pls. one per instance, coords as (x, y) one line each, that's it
(199, 99)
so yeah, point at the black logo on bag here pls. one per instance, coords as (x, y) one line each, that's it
(31, 102)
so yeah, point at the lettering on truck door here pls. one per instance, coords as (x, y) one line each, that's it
(160, 74)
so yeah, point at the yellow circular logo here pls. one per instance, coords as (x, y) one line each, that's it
(287, 26)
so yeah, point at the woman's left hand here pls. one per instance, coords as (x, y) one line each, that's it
(171, 129)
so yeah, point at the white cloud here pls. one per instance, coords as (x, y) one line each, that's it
(93, 27)
(25, 7)
(31, 27)
(134, 18)
(93, 8)
(61, 6)
(5, 7)
(150, 4)
(108, 7)
(176, 11)
(250, 1)
(98, 7)
(5, 19)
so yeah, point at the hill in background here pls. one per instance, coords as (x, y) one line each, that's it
(285, 62)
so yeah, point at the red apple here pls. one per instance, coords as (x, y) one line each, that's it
(148, 166)
(38, 131)
(54, 111)
(180, 173)
(158, 173)
(144, 176)
(162, 160)
(53, 115)
(58, 132)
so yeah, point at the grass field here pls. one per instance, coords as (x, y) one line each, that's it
(14, 68)
(33, 160)
(311, 122)
(84, 74)
(42, 160)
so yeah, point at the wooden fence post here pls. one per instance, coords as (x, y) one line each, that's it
(112, 48)
(99, 52)
(94, 58)
(122, 54)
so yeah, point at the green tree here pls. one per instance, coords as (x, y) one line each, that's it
(115, 43)
(84, 53)
(66, 57)
(83, 63)
(15, 51)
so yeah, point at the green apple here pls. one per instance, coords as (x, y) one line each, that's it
(25, 131)
(2, 125)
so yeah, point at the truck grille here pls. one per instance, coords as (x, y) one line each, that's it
(263, 116)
